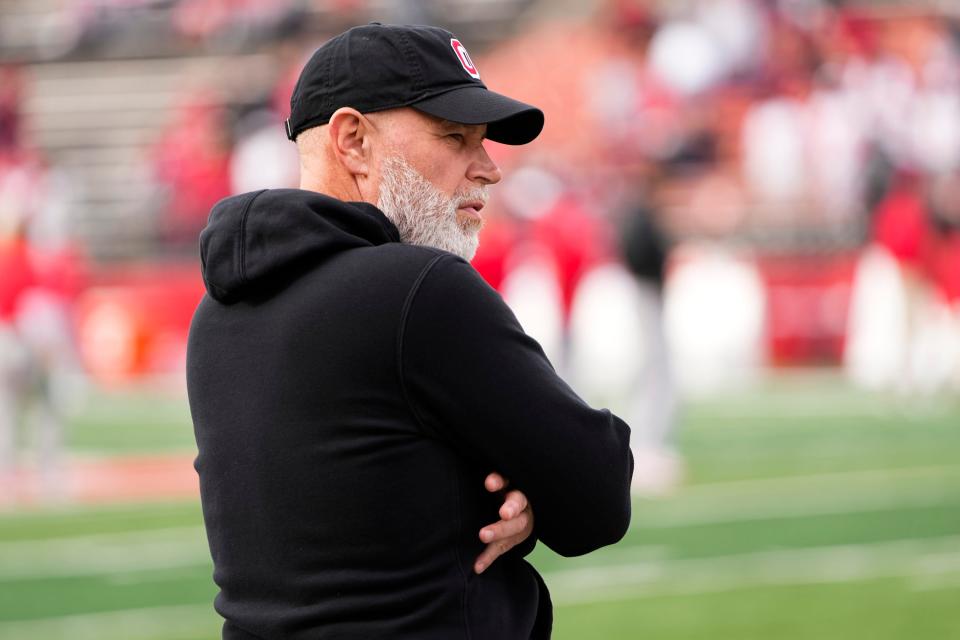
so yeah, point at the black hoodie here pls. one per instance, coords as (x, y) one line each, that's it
(349, 394)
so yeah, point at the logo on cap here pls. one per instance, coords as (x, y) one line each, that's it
(464, 58)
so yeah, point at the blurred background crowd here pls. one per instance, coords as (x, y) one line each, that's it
(740, 230)
(722, 186)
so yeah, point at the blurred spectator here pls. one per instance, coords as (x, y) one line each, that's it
(901, 222)
(499, 239)
(575, 237)
(192, 164)
(645, 246)
(17, 278)
(943, 240)
(11, 86)
(40, 277)
(942, 258)
(904, 334)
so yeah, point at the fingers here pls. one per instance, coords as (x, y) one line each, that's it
(495, 482)
(514, 504)
(503, 536)
(496, 549)
(515, 525)
(493, 551)
(506, 528)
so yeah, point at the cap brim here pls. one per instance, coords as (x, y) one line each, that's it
(508, 121)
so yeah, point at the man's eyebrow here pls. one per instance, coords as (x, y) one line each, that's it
(449, 125)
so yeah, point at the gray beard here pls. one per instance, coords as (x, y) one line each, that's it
(423, 214)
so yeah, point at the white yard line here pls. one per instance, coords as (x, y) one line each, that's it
(104, 554)
(153, 623)
(866, 476)
(918, 559)
(822, 404)
(802, 496)
(940, 571)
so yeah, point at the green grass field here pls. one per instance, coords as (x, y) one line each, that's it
(810, 511)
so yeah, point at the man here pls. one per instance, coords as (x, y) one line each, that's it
(354, 382)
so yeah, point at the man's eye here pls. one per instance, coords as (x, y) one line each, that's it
(456, 136)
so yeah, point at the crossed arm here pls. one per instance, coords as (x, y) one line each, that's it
(478, 384)
(515, 524)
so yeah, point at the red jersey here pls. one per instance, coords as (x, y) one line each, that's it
(16, 275)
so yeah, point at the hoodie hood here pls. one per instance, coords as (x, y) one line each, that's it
(255, 237)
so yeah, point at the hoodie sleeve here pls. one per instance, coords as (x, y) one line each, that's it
(476, 381)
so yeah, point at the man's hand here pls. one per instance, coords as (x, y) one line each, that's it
(515, 525)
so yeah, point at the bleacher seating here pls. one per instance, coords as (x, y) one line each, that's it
(94, 109)
(97, 121)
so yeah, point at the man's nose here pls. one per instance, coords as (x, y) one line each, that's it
(483, 169)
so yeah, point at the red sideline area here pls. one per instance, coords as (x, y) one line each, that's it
(104, 480)
(135, 323)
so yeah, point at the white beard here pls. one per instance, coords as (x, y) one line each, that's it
(423, 214)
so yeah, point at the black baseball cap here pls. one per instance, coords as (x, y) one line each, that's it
(377, 67)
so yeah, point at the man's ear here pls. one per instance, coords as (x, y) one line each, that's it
(350, 140)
